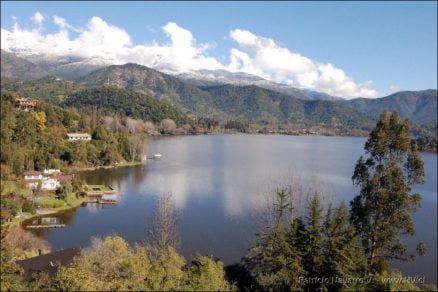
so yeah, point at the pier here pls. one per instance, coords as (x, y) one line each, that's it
(37, 226)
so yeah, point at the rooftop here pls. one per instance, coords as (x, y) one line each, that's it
(48, 262)
(32, 172)
(78, 135)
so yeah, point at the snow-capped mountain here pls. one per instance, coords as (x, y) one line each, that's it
(218, 77)
(66, 67)
(72, 67)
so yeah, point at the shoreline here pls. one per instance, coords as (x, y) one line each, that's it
(48, 211)
(362, 135)
(57, 210)
(91, 168)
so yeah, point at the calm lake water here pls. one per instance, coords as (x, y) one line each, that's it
(220, 182)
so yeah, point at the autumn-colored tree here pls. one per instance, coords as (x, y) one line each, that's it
(168, 126)
(19, 242)
(10, 272)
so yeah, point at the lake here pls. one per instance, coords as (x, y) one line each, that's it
(219, 183)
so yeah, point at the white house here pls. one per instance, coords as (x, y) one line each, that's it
(51, 171)
(50, 184)
(33, 175)
(78, 137)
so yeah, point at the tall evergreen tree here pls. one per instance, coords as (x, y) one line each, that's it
(275, 261)
(343, 256)
(382, 210)
(314, 218)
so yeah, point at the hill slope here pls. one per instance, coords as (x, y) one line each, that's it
(225, 102)
(127, 103)
(419, 106)
(18, 68)
(50, 89)
(223, 77)
(262, 105)
(154, 83)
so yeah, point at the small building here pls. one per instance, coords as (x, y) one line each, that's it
(51, 171)
(26, 103)
(33, 175)
(48, 263)
(78, 137)
(50, 184)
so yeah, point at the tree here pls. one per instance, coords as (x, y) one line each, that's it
(149, 127)
(166, 272)
(313, 255)
(343, 256)
(206, 274)
(168, 126)
(19, 241)
(163, 230)
(11, 273)
(109, 264)
(275, 261)
(65, 190)
(137, 146)
(382, 209)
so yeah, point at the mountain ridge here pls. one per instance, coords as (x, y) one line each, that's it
(19, 68)
(419, 106)
(198, 97)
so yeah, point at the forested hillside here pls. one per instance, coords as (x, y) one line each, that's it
(49, 88)
(156, 84)
(124, 102)
(34, 140)
(261, 105)
(419, 106)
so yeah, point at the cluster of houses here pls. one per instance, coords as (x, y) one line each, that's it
(47, 180)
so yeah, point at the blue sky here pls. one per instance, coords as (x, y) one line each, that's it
(394, 44)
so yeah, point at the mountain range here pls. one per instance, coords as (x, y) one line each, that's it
(18, 68)
(215, 93)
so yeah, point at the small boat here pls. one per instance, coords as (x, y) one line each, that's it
(157, 156)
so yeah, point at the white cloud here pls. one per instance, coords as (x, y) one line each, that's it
(62, 23)
(38, 18)
(263, 57)
(254, 54)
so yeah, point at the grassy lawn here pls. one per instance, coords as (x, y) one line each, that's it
(50, 202)
(8, 187)
(72, 200)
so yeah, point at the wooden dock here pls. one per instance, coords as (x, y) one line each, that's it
(45, 226)
(107, 202)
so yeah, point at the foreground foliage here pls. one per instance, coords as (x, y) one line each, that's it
(110, 264)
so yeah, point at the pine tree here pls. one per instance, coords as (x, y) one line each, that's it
(343, 256)
(382, 210)
(275, 261)
(313, 257)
